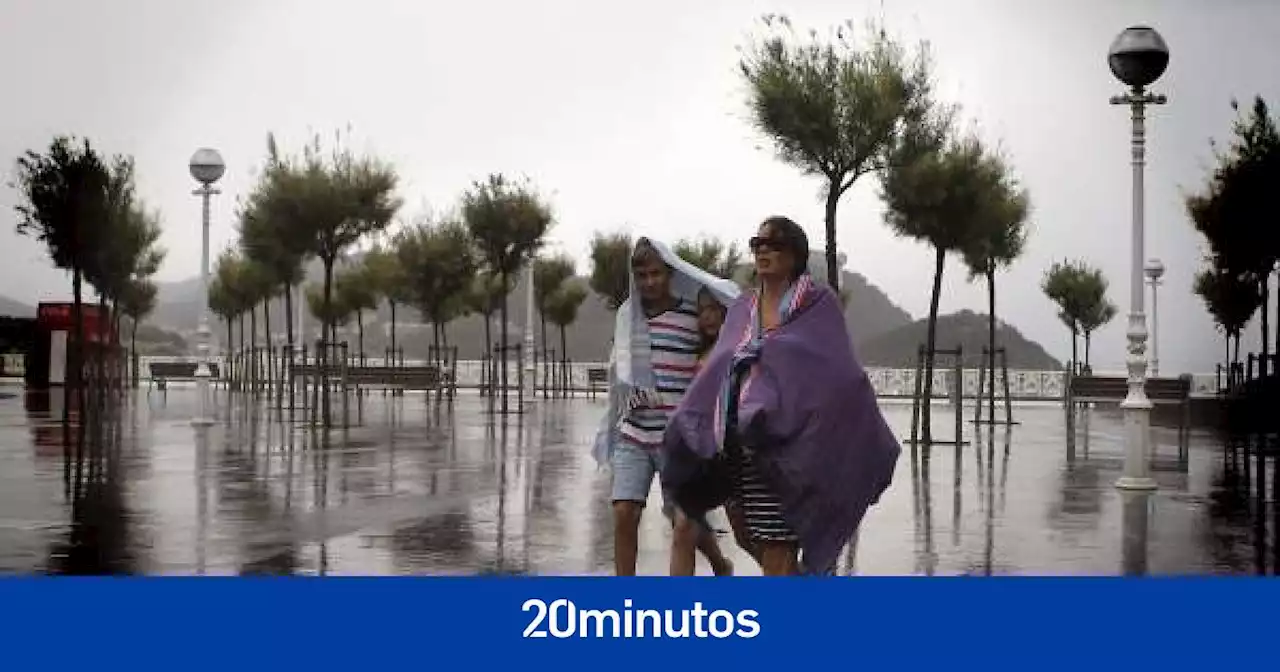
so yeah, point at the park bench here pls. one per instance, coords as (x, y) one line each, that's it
(163, 372)
(403, 377)
(1113, 389)
(597, 379)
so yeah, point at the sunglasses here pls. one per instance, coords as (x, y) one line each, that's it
(766, 244)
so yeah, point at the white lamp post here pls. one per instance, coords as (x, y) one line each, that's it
(1155, 270)
(1137, 57)
(206, 167)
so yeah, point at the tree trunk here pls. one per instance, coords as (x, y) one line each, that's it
(503, 314)
(230, 350)
(244, 361)
(327, 328)
(288, 317)
(253, 348)
(931, 336)
(1236, 360)
(393, 329)
(487, 352)
(564, 361)
(72, 390)
(1088, 340)
(991, 345)
(1074, 354)
(271, 360)
(1266, 348)
(543, 318)
(833, 261)
(360, 336)
(133, 354)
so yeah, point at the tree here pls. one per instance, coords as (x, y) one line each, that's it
(508, 222)
(1098, 311)
(331, 312)
(439, 265)
(837, 109)
(711, 255)
(62, 202)
(549, 273)
(1238, 199)
(487, 294)
(562, 309)
(388, 280)
(356, 294)
(1000, 238)
(272, 234)
(233, 298)
(941, 198)
(336, 200)
(1060, 285)
(222, 303)
(1231, 299)
(137, 302)
(611, 267)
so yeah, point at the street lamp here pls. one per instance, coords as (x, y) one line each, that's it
(1137, 57)
(1155, 270)
(206, 167)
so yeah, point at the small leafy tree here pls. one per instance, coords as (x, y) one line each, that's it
(439, 264)
(487, 294)
(62, 201)
(137, 302)
(1061, 284)
(356, 294)
(942, 199)
(388, 280)
(1232, 300)
(611, 267)
(508, 222)
(835, 108)
(711, 255)
(1098, 311)
(549, 273)
(562, 309)
(999, 239)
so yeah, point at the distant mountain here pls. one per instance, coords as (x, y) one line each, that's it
(967, 329)
(12, 308)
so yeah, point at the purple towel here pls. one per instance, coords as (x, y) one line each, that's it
(811, 413)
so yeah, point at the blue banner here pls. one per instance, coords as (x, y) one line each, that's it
(609, 624)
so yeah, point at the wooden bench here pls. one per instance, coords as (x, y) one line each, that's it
(403, 377)
(1114, 389)
(163, 372)
(597, 380)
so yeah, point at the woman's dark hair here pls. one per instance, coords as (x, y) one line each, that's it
(794, 239)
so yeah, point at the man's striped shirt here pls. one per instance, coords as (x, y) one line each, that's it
(673, 344)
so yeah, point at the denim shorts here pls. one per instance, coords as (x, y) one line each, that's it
(633, 471)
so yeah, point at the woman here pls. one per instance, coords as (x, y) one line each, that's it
(782, 418)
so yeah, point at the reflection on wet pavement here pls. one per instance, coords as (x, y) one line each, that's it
(416, 488)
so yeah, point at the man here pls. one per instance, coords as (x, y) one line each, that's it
(671, 325)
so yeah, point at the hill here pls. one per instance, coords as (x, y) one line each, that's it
(869, 313)
(966, 328)
(12, 308)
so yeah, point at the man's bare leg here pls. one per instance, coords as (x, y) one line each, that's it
(688, 536)
(626, 536)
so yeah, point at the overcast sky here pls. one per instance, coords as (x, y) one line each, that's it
(633, 115)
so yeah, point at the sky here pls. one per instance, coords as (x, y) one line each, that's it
(632, 116)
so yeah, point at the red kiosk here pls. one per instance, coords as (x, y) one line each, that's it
(55, 322)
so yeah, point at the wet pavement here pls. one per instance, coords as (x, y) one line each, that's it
(416, 488)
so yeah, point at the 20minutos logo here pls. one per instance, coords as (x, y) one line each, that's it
(562, 618)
